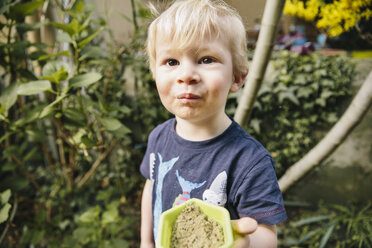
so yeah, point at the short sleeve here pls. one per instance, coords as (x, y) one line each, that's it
(145, 168)
(145, 164)
(259, 196)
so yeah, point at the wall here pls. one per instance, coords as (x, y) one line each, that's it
(115, 9)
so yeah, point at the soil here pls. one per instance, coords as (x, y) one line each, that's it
(194, 229)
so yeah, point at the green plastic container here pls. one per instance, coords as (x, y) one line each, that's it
(219, 214)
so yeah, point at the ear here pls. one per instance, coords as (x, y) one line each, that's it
(238, 82)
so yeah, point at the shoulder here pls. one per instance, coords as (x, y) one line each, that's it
(253, 149)
(161, 129)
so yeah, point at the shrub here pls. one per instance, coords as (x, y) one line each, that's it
(71, 137)
(347, 225)
(305, 95)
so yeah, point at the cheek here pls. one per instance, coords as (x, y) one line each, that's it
(164, 91)
(220, 88)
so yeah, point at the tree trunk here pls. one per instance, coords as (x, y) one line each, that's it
(265, 43)
(350, 119)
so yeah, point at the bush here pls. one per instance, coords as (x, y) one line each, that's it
(341, 226)
(71, 137)
(304, 96)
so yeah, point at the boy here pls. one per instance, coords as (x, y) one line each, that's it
(197, 52)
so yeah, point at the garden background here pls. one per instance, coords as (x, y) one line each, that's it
(77, 105)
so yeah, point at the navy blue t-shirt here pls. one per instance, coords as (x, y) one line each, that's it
(231, 170)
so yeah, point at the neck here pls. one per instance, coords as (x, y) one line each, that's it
(202, 129)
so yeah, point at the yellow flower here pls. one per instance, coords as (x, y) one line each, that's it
(336, 17)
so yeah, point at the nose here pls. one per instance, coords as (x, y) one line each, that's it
(188, 73)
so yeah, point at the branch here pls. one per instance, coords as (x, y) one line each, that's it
(349, 120)
(134, 15)
(14, 210)
(265, 43)
(29, 176)
(61, 134)
(100, 158)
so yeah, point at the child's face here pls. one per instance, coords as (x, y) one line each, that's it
(194, 83)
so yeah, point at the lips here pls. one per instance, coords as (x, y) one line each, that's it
(188, 96)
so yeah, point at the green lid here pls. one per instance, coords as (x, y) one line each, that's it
(219, 214)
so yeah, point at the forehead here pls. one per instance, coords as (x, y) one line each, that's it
(166, 44)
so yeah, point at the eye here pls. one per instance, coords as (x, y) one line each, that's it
(207, 60)
(172, 62)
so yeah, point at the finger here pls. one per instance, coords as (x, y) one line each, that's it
(242, 242)
(244, 225)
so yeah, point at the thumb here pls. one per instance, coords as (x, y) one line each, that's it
(244, 225)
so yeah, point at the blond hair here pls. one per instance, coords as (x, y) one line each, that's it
(187, 22)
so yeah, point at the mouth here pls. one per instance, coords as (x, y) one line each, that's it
(188, 96)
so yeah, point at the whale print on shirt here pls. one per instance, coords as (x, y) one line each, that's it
(216, 193)
(163, 169)
(187, 187)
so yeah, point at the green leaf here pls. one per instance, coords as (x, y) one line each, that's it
(58, 76)
(28, 75)
(110, 216)
(89, 52)
(84, 234)
(119, 243)
(54, 66)
(310, 234)
(310, 220)
(76, 138)
(74, 114)
(75, 26)
(8, 98)
(32, 155)
(2, 118)
(122, 132)
(64, 37)
(9, 166)
(25, 27)
(64, 27)
(37, 236)
(47, 110)
(49, 56)
(5, 136)
(34, 87)
(5, 196)
(300, 79)
(20, 11)
(84, 42)
(111, 124)
(79, 6)
(30, 116)
(255, 124)
(4, 212)
(50, 108)
(16, 183)
(304, 92)
(326, 236)
(326, 94)
(85, 80)
(5, 7)
(321, 101)
(91, 215)
(89, 143)
(37, 54)
(289, 96)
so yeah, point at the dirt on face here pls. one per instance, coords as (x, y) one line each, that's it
(194, 229)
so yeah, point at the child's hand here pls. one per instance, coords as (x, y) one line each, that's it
(242, 228)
